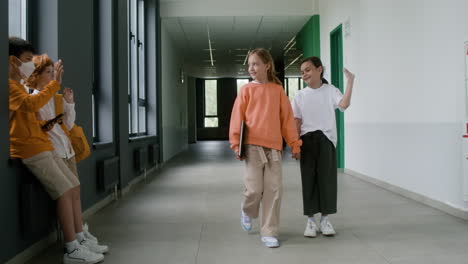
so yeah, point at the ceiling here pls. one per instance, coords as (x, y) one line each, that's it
(231, 37)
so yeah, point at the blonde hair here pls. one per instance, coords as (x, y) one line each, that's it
(266, 58)
(41, 62)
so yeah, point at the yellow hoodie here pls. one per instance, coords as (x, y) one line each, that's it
(27, 138)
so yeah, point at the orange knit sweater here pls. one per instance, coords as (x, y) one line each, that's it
(268, 117)
(27, 139)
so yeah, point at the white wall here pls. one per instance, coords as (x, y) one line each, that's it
(183, 8)
(404, 125)
(174, 99)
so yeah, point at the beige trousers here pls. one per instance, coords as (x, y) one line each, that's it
(263, 184)
(71, 164)
(53, 173)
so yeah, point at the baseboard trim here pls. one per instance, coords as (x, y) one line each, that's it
(143, 177)
(38, 247)
(445, 207)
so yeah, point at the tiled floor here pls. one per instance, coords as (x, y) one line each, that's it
(189, 214)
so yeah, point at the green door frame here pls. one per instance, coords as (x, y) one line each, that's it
(336, 58)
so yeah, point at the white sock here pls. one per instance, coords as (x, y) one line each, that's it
(80, 237)
(323, 218)
(311, 219)
(72, 245)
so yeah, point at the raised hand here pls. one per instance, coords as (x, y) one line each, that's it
(68, 95)
(13, 70)
(349, 75)
(58, 71)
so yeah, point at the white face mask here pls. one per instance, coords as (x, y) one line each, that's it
(27, 68)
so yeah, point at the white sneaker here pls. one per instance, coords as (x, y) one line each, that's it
(246, 221)
(311, 229)
(82, 255)
(94, 246)
(88, 235)
(326, 228)
(271, 242)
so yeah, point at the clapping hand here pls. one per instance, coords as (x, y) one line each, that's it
(68, 95)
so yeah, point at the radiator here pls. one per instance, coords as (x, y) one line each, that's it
(140, 159)
(153, 154)
(108, 173)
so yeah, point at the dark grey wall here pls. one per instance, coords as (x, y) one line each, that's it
(191, 110)
(65, 30)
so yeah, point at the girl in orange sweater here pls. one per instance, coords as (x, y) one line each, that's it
(266, 111)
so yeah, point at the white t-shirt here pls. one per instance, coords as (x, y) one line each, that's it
(316, 108)
(57, 136)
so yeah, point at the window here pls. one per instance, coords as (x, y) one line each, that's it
(211, 103)
(137, 103)
(102, 95)
(240, 83)
(293, 85)
(17, 14)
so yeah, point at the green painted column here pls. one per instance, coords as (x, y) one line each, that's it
(308, 39)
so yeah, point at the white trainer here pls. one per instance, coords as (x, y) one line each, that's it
(311, 229)
(87, 234)
(327, 228)
(94, 246)
(82, 255)
(271, 242)
(246, 221)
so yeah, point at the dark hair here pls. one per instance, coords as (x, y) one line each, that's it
(265, 56)
(18, 46)
(317, 63)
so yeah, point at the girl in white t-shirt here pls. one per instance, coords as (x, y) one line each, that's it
(314, 111)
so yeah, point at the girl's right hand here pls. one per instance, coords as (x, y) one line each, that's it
(58, 71)
(238, 157)
(349, 75)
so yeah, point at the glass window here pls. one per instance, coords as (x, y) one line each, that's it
(137, 70)
(240, 83)
(17, 18)
(211, 103)
(293, 87)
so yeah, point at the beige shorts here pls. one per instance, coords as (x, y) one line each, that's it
(53, 173)
(71, 164)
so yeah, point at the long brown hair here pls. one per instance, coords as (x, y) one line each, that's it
(266, 58)
(41, 62)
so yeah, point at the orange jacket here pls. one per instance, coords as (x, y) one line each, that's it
(26, 135)
(268, 118)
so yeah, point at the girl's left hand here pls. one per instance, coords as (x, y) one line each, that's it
(349, 75)
(296, 156)
(68, 95)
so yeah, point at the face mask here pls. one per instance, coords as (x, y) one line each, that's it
(27, 68)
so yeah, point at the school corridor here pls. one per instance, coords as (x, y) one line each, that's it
(154, 84)
(189, 214)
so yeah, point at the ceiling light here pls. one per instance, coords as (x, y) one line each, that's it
(209, 45)
(292, 62)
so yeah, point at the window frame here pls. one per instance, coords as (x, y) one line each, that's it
(205, 116)
(25, 20)
(137, 95)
